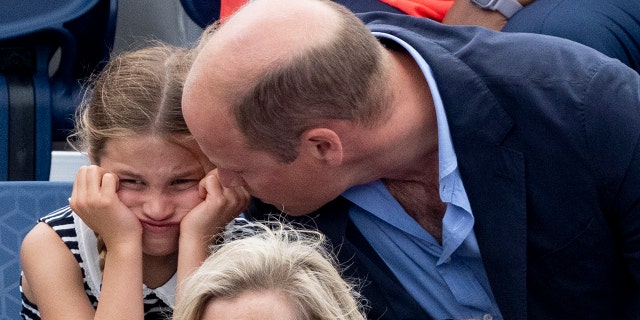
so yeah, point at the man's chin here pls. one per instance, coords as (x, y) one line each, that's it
(290, 210)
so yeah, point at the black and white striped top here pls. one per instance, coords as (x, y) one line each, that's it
(81, 240)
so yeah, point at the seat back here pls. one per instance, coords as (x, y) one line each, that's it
(47, 49)
(21, 204)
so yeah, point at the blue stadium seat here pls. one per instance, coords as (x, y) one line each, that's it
(47, 49)
(22, 203)
(202, 12)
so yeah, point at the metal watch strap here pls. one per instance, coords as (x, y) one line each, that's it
(507, 7)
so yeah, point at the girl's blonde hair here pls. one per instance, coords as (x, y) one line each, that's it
(137, 93)
(274, 257)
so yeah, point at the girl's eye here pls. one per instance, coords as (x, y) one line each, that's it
(184, 184)
(132, 184)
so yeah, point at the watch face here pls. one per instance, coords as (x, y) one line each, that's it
(482, 3)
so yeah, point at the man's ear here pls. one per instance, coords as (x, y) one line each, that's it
(323, 144)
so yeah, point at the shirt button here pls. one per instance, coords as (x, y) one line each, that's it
(487, 317)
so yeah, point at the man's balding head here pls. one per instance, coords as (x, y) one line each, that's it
(263, 35)
(279, 67)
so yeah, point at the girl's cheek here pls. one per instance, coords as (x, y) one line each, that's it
(130, 198)
(189, 199)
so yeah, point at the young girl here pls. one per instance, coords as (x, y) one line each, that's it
(150, 196)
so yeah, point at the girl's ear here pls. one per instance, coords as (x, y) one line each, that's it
(323, 144)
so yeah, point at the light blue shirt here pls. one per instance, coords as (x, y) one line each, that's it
(449, 280)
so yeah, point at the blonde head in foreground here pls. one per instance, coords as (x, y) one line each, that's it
(276, 272)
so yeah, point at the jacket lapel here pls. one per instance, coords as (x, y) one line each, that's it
(494, 180)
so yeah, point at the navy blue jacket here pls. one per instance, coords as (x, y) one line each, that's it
(547, 135)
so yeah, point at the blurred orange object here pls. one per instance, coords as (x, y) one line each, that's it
(432, 9)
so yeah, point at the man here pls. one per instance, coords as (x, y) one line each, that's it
(459, 172)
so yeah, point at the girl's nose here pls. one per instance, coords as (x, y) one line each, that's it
(157, 207)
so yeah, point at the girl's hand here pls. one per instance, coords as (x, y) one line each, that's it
(219, 207)
(201, 225)
(94, 198)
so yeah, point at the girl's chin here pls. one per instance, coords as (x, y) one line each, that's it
(162, 248)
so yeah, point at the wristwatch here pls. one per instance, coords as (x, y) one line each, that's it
(506, 7)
